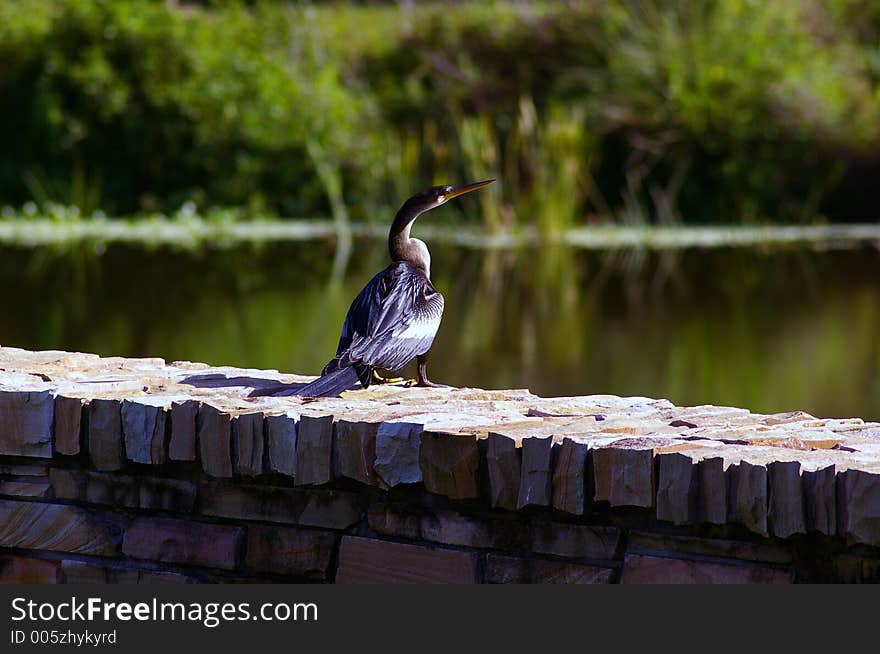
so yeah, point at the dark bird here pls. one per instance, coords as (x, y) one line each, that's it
(397, 314)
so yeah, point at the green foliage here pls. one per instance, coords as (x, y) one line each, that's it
(640, 112)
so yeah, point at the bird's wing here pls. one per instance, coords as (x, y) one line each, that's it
(403, 325)
(364, 310)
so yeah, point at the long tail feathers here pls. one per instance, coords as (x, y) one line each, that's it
(329, 385)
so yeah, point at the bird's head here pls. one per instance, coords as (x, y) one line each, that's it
(437, 195)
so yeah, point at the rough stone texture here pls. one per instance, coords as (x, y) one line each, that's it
(643, 569)
(570, 491)
(28, 570)
(215, 441)
(860, 506)
(289, 551)
(451, 528)
(672, 545)
(502, 569)
(183, 541)
(57, 527)
(316, 507)
(248, 444)
(30, 488)
(786, 515)
(105, 435)
(624, 477)
(535, 483)
(314, 450)
(281, 441)
(578, 541)
(68, 419)
(677, 488)
(26, 423)
(504, 470)
(355, 448)
(713, 490)
(80, 572)
(681, 483)
(449, 464)
(820, 499)
(397, 453)
(748, 496)
(24, 469)
(143, 426)
(182, 446)
(136, 492)
(367, 561)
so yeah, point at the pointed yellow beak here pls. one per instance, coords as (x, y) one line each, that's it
(467, 188)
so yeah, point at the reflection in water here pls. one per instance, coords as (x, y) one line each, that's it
(774, 331)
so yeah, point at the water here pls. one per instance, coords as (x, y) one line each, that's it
(772, 330)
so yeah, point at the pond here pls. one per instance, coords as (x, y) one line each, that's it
(769, 329)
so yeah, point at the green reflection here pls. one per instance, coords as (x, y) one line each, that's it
(773, 331)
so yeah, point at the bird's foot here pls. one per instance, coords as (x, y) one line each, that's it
(379, 379)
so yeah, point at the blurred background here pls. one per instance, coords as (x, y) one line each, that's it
(685, 207)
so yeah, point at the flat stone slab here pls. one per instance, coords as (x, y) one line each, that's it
(773, 474)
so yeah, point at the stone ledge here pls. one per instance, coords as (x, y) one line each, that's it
(776, 475)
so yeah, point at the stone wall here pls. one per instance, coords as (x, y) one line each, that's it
(136, 471)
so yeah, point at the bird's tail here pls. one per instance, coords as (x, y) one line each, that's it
(329, 385)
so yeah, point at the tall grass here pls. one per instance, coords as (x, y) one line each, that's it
(627, 112)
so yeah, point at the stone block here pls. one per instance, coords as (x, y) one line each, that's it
(314, 450)
(397, 453)
(449, 464)
(644, 569)
(68, 425)
(677, 488)
(713, 490)
(859, 506)
(281, 434)
(820, 499)
(748, 496)
(81, 572)
(28, 570)
(182, 446)
(105, 435)
(215, 441)
(26, 419)
(624, 475)
(502, 569)
(369, 561)
(32, 488)
(785, 511)
(570, 483)
(355, 449)
(536, 478)
(504, 471)
(313, 507)
(289, 551)
(143, 426)
(575, 541)
(183, 541)
(248, 444)
(55, 527)
(682, 546)
(130, 491)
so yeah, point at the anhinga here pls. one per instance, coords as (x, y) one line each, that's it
(397, 314)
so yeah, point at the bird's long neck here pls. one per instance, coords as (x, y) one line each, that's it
(402, 247)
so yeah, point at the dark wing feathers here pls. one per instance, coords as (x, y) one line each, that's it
(393, 319)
